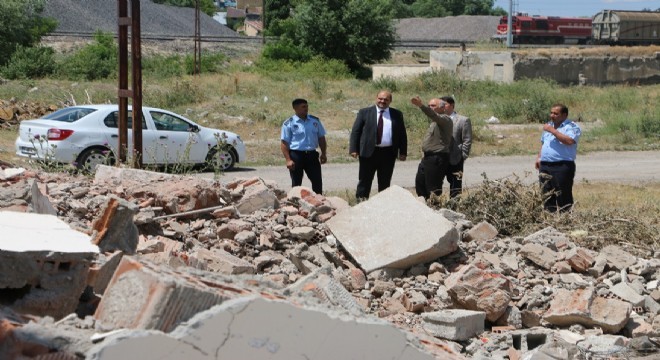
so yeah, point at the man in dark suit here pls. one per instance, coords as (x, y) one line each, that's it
(378, 138)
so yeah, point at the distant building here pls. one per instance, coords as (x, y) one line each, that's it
(253, 27)
(243, 4)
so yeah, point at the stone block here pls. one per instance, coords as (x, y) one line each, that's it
(539, 255)
(483, 231)
(218, 260)
(257, 196)
(617, 258)
(455, 324)
(570, 307)
(476, 289)
(627, 293)
(374, 235)
(611, 315)
(580, 260)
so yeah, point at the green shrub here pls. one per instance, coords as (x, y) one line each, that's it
(210, 63)
(181, 93)
(162, 67)
(648, 124)
(385, 83)
(94, 61)
(30, 63)
(316, 68)
(285, 49)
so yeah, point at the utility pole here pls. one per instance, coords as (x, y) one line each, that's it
(509, 35)
(197, 62)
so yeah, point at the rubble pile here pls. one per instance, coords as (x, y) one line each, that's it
(189, 267)
(12, 112)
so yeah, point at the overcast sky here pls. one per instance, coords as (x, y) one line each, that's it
(578, 8)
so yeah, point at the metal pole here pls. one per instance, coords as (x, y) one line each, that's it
(123, 92)
(136, 49)
(197, 65)
(509, 35)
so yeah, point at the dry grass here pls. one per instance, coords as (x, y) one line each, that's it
(603, 214)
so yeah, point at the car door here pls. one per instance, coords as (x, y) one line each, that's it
(151, 154)
(179, 138)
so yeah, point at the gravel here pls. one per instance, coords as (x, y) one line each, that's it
(87, 16)
(464, 28)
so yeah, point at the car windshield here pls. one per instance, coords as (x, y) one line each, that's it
(69, 114)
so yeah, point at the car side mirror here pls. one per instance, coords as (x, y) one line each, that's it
(194, 128)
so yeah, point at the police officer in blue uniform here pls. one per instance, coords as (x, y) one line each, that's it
(556, 160)
(301, 135)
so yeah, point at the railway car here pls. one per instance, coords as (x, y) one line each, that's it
(546, 29)
(618, 27)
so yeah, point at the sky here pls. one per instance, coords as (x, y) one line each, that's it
(577, 8)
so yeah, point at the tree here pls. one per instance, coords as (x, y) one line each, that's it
(357, 32)
(275, 11)
(22, 25)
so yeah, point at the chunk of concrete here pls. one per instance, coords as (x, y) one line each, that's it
(539, 255)
(218, 260)
(455, 325)
(144, 296)
(393, 229)
(617, 258)
(481, 232)
(43, 263)
(114, 229)
(257, 196)
(476, 289)
(257, 328)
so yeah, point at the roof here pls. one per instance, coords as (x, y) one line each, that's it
(233, 13)
(255, 24)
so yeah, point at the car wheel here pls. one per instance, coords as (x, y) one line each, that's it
(221, 159)
(91, 158)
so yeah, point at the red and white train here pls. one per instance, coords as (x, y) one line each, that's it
(546, 29)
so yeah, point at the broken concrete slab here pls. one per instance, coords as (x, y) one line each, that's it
(238, 329)
(617, 258)
(375, 233)
(218, 260)
(539, 255)
(40, 202)
(43, 263)
(481, 232)
(257, 196)
(479, 290)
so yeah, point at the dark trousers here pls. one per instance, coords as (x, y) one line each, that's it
(430, 174)
(380, 163)
(556, 180)
(307, 161)
(455, 179)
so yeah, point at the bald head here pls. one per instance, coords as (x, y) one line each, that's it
(383, 99)
(438, 105)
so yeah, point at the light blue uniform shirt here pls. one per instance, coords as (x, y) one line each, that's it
(302, 134)
(553, 150)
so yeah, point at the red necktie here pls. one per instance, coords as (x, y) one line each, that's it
(379, 132)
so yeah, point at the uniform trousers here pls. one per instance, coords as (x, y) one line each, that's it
(307, 161)
(556, 180)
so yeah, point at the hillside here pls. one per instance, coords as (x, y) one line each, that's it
(88, 16)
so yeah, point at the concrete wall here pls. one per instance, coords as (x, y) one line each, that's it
(507, 66)
(398, 71)
(593, 70)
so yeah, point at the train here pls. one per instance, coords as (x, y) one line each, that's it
(610, 27)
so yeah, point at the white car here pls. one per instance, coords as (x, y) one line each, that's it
(87, 135)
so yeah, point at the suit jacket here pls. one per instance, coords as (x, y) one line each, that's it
(461, 139)
(363, 134)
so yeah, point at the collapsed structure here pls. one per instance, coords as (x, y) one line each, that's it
(145, 264)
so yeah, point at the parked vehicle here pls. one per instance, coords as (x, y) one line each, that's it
(546, 29)
(626, 27)
(612, 27)
(87, 135)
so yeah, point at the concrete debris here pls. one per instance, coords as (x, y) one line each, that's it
(43, 262)
(198, 268)
(373, 233)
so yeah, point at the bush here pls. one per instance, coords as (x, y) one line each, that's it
(316, 68)
(93, 62)
(211, 63)
(30, 63)
(649, 124)
(285, 49)
(181, 93)
(385, 83)
(162, 67)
